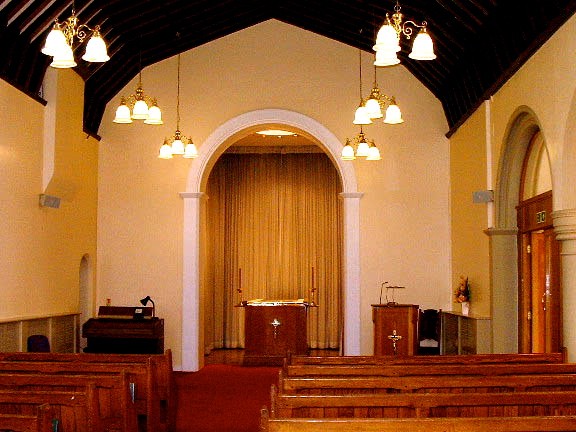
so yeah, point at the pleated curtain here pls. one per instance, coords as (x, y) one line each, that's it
(273, 226)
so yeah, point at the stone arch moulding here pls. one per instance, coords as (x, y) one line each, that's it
(522, 126)
(209, 151)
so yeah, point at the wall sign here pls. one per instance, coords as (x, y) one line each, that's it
(540, 217)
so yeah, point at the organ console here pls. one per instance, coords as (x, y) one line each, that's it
(124, 330)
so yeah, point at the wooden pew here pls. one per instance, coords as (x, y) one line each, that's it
(75, 411)
(465, 424)
(40, 422)
(424, 405)
(116, 408)
(425, 384)
(151, 376)
(432, 359)
(160, 363)
(499, 369)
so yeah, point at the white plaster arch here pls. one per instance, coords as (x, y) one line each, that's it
(209, 152)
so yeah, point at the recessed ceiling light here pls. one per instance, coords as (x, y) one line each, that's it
(276, 132)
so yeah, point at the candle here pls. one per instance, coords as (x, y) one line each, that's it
(239, 280)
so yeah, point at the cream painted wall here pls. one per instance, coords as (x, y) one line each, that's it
(41, 248)
(404, 226)
(470, 246)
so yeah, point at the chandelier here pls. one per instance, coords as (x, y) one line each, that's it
(178, 144)
(138, 106)
(388, 40)
(376, 102)
(61, 39)
(363, 148)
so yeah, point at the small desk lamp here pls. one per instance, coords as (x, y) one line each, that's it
(145, 301)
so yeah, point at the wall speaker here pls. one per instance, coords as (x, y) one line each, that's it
(49, 201)
(484, 196)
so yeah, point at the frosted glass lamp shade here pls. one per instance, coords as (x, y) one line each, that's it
(54, 42)
(361, 117)
(154, 115)
(190, 152)
(386, 58)
(347, 152)
(165, 151)
(140, 110)
(393, 114)
(423, 47)
(63, 58)
(373, 154)
(373, 109)
(177, 147)
(363, 149)
(96, 49)
(123, 113)
(387, 39)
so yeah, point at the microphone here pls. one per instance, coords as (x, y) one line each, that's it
(381, 288)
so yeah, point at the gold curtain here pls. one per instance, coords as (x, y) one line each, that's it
(273, 226)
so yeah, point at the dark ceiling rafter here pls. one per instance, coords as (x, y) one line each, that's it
(479, 43)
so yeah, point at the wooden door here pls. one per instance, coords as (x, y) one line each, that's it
(540, 310)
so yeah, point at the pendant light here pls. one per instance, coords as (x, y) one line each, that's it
(387, 43)
(178, 144)
(361, 116)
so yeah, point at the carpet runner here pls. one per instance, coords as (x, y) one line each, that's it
(223, 398)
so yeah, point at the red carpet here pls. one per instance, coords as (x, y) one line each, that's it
(223, 398)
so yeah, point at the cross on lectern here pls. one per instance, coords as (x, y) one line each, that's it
(275, 323)
(394, 337)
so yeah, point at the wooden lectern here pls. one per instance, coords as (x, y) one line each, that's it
(274, 328)
(395, 329)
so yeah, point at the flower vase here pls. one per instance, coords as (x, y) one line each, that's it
(465, 308)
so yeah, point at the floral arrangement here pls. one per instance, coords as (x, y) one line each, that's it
(462, 293)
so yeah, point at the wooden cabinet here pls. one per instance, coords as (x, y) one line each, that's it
(465, 334)
(273, 330)
(398, 319)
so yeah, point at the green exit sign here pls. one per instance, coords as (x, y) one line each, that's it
(540, 217)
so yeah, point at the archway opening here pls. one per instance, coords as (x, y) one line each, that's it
(194, 212)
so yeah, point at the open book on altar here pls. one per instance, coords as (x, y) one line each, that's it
(262, 302)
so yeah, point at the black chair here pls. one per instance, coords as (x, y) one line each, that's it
(429, 332)
(38, 343)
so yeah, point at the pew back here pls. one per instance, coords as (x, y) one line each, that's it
(426, 360)
(422, 405)
(425, 384)
(75, 411)
(469, 424)
(40, 422)
(434, 369)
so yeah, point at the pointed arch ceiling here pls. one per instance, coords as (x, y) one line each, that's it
(479, 43)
